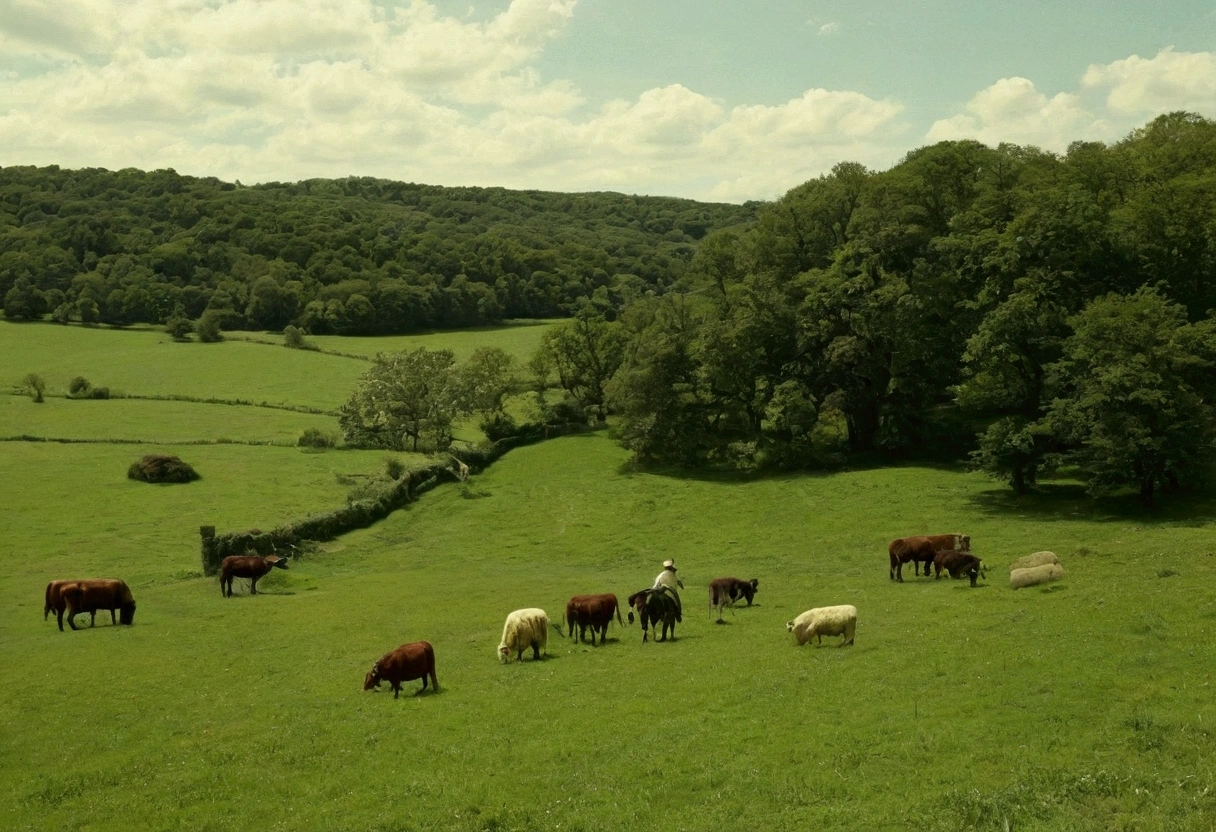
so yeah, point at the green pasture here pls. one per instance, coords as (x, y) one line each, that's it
(154, 421)
(1086, 704)
(518, 338)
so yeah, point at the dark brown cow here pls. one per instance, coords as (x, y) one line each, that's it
(920, 550)
(91, 595)
(594, 612)
(724, 592)
(408, 662)
(959, 564)
(247, 566)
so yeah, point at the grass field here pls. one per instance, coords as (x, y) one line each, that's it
(1083, 705)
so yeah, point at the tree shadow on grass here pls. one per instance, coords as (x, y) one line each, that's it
(732, 476)
(1069, 501)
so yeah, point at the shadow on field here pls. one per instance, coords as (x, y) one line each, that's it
(1069, 501)
(731, 476)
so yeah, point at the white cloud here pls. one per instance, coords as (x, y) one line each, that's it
(1012, 110)
(829, 28)
(263, 90)
(1150, 86)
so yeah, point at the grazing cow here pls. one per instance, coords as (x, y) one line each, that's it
(825, 621)
(655, 606)
(523, 629)
(247, 566)
(91, 595)
(920, 550)
(405, 664)
(959, 564)
(594, 611)
(724, 592)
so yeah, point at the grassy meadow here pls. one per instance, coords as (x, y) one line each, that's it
(1086, 704)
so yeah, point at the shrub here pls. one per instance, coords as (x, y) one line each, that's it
(393, 467)
(293, 338)
(161, 468)
(81, 388)
(179, 328)
(316, 438)
(208, 326)
(36, 386)
(498, 426)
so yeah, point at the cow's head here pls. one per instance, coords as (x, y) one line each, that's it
(372, 680)
(962, 542)
(126, 613)
(504, 653)
(276, 561)
(789, 626)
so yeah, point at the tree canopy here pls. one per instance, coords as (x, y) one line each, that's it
(348, 256)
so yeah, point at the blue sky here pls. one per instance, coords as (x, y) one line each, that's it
(711, 100)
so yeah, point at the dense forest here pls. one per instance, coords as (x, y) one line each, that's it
(1032, 308)
(349, 256)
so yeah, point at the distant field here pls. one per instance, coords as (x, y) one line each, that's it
(1083, 705)
(154, 421)
(519, 339)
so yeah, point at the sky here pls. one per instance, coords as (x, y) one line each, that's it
(721, 100)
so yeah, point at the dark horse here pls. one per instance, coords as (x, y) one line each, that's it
(654, 606)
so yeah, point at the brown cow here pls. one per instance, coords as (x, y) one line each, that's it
(247, 566)
(91, 595)
(959, 564)
(406, 663)
(594, 611)
(920, 550)
(724, 592)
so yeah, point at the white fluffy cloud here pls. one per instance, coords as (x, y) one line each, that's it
(1172, 80)
(286, 89)
(1012, 110)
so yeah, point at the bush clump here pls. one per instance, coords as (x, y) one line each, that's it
(161, 468)
(316, 438)
(81, 388)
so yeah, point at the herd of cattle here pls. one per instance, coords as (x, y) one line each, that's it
(658, 607)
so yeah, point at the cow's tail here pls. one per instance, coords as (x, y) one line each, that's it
(46, 609)
(894, 559)
(616, 607)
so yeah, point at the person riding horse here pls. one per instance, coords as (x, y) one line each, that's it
(667, 581)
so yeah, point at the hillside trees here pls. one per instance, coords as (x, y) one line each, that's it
(405, 400)
(357, 256)
(965, 290)
(1138, 393)
(583, 353)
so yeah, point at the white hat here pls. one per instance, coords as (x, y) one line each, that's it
(669, 564)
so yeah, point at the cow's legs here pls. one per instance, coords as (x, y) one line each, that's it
(60, 621)
(536, 650)
(253, 587)
(92, 618)
(113, 620)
